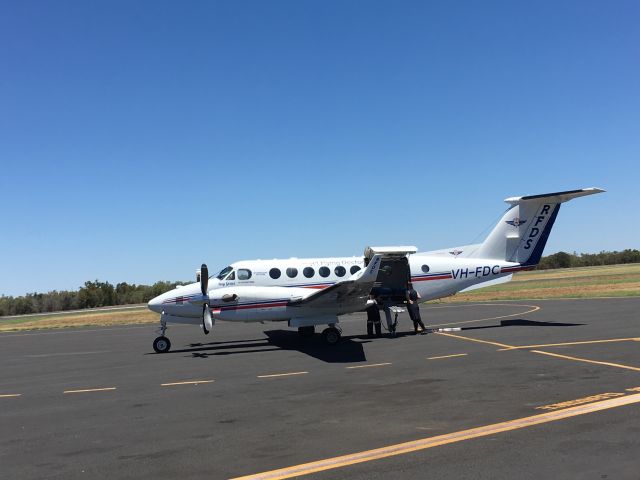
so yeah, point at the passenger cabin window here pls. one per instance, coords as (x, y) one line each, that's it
(244, 274)
(224, 272)
(324, 271)
(308, 272)
(340, 271)
(274, 273)
(425, 268)
(354, 269)
(292, 272)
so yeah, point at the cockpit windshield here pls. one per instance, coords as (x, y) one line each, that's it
(223, 273)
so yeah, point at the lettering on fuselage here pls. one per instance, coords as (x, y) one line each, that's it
(475, 273)
(535, 230)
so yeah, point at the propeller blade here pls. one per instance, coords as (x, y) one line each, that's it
(207, 322)
(204, 279)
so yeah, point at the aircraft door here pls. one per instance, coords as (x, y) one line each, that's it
(394, 273)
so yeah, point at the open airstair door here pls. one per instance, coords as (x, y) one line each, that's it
(394, 273)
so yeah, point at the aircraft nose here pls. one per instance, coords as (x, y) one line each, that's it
(155, 304)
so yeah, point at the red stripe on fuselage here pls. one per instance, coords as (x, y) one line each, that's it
(438, 277)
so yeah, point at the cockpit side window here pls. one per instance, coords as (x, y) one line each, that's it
(244, 274)
(231, 276)
(223, 273)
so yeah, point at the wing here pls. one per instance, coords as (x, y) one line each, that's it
(349, 294)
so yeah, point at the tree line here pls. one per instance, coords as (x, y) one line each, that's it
(103, 294)
(91, 295)
(570, 260)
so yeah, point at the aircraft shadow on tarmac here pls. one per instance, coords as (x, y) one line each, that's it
(349, 350)
(524, 323)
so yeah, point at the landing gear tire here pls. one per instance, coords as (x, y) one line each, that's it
(307, 332)
(161, 345)
(331, 336)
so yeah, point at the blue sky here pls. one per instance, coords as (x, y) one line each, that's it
(140, 139)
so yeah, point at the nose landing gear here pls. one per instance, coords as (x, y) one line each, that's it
(162, 344)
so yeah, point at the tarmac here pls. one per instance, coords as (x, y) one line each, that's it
(525, 389)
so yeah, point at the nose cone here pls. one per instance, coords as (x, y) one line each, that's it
(155, 304)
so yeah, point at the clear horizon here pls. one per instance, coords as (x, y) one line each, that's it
(141, 139)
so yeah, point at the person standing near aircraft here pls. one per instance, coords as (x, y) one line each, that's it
(414, 309)
(373, 317)
(391, 324)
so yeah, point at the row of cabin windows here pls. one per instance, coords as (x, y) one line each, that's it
(309, 272)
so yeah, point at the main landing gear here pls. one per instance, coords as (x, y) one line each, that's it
(331, 335)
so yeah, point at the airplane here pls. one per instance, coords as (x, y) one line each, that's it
(309, 292)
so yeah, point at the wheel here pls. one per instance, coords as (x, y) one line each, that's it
(161, 345)
(331, 336)
(307, 332)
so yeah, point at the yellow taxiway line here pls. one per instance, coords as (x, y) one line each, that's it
(10, 395)
(474, 340)
(90, 390)
(369, 365)
(430, 442)
(586, 360)
(448, 356)
(586, 342)
(281, 374)
(189, 382)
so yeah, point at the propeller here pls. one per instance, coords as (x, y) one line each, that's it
(207, 322)
(204, 279)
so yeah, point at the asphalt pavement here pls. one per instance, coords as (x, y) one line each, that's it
(526, 389)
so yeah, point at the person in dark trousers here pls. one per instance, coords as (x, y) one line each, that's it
(373, 318)
(414, 309)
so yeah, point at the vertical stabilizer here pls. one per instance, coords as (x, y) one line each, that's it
(522, 232)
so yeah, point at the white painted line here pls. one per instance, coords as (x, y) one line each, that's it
(90, 390)
(10, 395)
(370, 365)
(281, 374)
(190, 382)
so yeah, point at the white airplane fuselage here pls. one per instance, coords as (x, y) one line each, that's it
(263, 298)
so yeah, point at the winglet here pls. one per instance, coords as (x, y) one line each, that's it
(370, 273)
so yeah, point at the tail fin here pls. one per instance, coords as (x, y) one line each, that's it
(521, 234)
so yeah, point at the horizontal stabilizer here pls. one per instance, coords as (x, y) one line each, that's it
(557, 197)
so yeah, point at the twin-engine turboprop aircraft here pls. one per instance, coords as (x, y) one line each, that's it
(309, 292)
